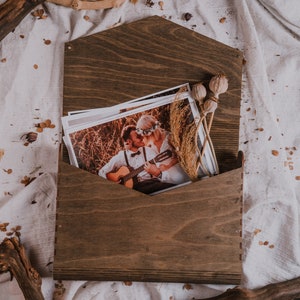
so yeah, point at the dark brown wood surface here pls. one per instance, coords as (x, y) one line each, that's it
(108, 232)
(147, 56)
(12, 12)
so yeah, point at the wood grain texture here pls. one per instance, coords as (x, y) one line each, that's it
(147, 56)
(12, 12)
(108, 232)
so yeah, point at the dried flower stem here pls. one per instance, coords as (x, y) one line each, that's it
(218, 85)
(187, 148)
(207, 138)
(199, 163)
(185, 139)
(183, 136)
(207, 133)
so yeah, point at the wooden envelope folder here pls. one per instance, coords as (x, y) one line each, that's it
(105, 231)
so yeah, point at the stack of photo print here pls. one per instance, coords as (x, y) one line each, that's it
(131, 143)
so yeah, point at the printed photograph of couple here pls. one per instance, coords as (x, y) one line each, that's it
(133, 149)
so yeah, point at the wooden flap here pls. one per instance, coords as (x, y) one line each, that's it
(106, 231)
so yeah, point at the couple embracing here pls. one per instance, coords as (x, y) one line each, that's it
(148, 162)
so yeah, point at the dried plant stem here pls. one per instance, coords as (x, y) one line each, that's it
(199, 163)
(187, 147)
(287, 290)
(207, 138)
(183, 136)
(176, 123)
(197, 132)
(185, 139)
(13, 259)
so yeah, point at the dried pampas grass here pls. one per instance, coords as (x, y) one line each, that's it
(184, 138)
(185, 129)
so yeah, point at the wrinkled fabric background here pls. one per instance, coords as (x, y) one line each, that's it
(31, 65)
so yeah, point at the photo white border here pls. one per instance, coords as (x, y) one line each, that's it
(207, 158)
(76, 118)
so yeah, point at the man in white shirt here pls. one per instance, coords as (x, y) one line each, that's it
(134, 167)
